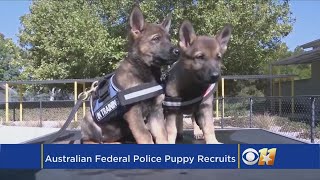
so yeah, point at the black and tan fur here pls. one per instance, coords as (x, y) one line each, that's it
(199, 65)
(149, 49)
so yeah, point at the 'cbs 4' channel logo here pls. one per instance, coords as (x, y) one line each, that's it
(265, 156)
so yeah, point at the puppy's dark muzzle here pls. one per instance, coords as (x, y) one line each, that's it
(214, 77)
(174, 55)
(168, 57)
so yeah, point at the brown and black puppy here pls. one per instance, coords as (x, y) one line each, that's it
(198, 67)
(149, 48)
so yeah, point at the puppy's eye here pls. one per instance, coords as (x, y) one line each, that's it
(156, 38)
(199, 56)
(219, 55)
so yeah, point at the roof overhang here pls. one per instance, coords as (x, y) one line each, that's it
(313, 44)
(303, 58)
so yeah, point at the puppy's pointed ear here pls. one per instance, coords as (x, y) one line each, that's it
(224, 36)
(166, 23)
(186, 34)
(136, 21)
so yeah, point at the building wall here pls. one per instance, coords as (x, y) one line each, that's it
(302, 87)
(315, 71)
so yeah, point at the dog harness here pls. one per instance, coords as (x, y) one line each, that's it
(108, 102)
(179, 103)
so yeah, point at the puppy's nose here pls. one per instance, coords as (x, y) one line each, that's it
(214, 76)
(176, 51)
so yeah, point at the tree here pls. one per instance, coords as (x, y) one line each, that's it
(65, 39)
(303, 71)
(258, 27)
(9, 54)
(79, 39)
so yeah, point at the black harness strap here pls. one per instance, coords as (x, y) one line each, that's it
(177, 102)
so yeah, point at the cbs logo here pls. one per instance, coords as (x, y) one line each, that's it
(263, 157)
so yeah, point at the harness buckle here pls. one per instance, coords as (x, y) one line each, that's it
(84, 95)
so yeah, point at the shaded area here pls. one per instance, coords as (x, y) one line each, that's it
(226, 136)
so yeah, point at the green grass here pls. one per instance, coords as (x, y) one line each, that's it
(236, 109)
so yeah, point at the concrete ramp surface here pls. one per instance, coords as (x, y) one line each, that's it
(19, 135)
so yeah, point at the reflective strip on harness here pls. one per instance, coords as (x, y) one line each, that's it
(177, 102)
(114, 104)
(142, 92)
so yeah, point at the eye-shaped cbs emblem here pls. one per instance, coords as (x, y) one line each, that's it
(250, 156)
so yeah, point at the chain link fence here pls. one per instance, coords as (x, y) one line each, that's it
(49, 114)
(296, 117)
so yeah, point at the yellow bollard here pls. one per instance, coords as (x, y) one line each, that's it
(84, 103)
(217, 100)
(21, 108)
(7, 102)
(75, 98)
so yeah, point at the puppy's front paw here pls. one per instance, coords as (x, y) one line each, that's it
(198, 136)
(197, 132)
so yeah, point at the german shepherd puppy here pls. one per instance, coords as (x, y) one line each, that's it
(150, 48)
(199, 66)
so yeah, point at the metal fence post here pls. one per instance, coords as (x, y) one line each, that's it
(217, 100)
(222, 112)
(250, 115)
(84, 102)
(222, 94)
(292, 95)
(40, 113)
(20, 105)
(280, 99)
(312, 128)
(14, 112)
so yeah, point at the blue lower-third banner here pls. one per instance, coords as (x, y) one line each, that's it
(175, 156)
(141, 156)
(18, 156)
